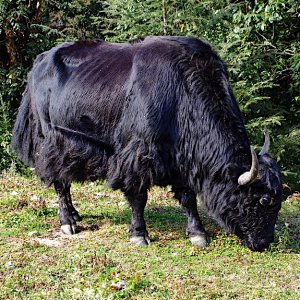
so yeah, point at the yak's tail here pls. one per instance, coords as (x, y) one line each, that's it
(23, 132)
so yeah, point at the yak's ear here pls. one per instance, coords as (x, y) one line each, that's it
(233, 171)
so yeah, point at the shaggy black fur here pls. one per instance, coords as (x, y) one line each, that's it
(154, 111)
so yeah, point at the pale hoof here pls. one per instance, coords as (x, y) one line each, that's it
(140, 240)
(68, 229)
(200, 241)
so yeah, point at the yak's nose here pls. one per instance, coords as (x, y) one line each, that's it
(260, 245)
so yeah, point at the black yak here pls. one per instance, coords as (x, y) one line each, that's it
(154, 111)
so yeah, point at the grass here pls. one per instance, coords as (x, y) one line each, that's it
(38, 262)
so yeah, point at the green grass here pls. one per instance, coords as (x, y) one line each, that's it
(91, 264)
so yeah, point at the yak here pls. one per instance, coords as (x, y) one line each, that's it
(152, 111)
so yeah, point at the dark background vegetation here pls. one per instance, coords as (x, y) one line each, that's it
(259, 40)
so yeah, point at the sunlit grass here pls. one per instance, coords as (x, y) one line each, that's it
(38, 262)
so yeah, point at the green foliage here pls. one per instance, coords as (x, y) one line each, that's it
(5, 136)
(259, 40)
(262, 47)
(8, 159)
(134, 18)
(71, 20)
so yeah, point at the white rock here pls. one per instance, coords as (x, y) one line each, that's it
(33, 233)
(9, 264)
(50, 243)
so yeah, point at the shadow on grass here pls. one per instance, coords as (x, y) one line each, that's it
(161, 219)
(172, 219)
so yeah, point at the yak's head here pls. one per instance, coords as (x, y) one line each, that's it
(253, 201)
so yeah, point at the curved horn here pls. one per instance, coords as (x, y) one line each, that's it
(266, 147)
(250, 176)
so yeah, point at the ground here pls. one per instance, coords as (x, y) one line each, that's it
(38, 262)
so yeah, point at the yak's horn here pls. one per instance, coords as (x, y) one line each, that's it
(250, 176)
(266, 147)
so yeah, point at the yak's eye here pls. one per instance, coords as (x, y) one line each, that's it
(266, 200)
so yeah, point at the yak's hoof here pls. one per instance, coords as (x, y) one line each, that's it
(140, 240)
(68, 229)
(200, 240)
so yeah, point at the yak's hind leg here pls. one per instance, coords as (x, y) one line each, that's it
(195, 229)
(137, 231)
(68, 215)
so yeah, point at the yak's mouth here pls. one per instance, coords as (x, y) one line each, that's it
(257, 246)
(254, 244)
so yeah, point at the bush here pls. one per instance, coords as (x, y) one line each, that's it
(259, 40)
(6, 155)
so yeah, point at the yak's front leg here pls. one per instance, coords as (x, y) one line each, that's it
(137, 231)
(195, 229)
(68, 215)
